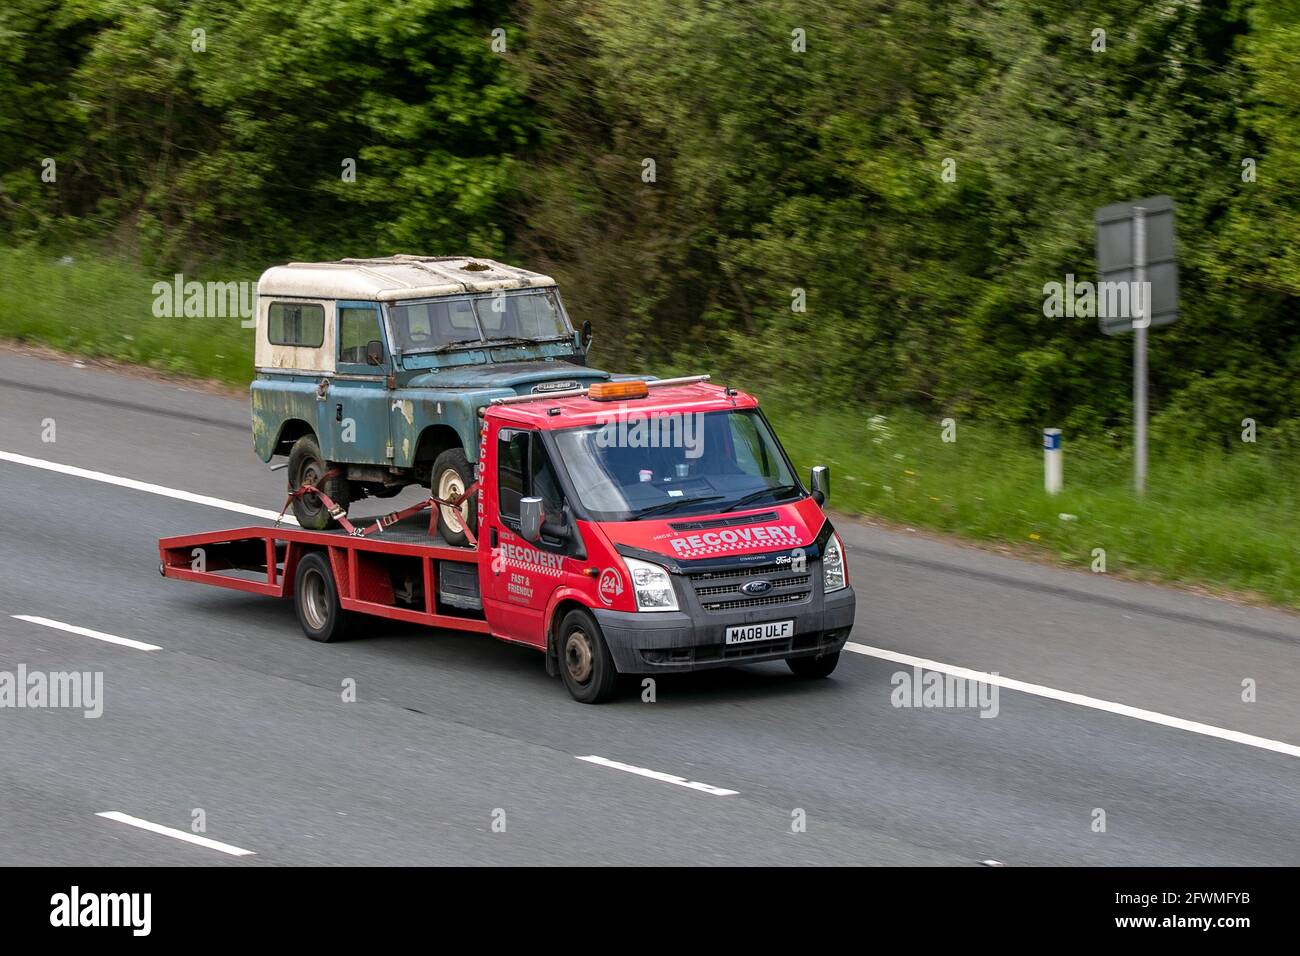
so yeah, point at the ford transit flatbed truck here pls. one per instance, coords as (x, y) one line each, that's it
(623, 528)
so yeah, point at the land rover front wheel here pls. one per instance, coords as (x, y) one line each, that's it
(452, 475)
(308, 467)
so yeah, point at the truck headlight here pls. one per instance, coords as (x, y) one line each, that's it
(834, 575)
(652, 585)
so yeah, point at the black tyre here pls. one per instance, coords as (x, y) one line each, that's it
(306, 466)
(452, 474)
(813, 667)
(316, 599)
(586, 665)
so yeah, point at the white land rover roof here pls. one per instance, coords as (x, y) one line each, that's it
(395, 277)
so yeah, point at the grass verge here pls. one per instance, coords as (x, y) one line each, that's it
(103, 308)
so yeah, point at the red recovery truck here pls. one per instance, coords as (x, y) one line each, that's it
(631, 527)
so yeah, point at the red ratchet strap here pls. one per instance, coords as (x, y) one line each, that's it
(386, 521)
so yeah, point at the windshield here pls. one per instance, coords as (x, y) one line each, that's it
(634, 467)
(527, 314)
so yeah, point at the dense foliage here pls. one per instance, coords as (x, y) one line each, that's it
(799, 152)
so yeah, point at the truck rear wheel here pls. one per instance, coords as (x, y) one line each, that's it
(306, 466)
(585, 662)
(813, 667)
(316, 599)
(452, 474)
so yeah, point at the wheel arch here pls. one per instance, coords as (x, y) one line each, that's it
(433, 441)
(290, 431)
(562, 602)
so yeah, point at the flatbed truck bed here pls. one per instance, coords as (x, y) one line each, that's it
(403, 573)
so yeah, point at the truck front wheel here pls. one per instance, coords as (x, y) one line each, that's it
(316, 599)
(308, 467)
(585, 662)
(452, 474)
(813, 667)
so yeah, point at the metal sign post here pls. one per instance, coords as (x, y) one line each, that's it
(1136, 264)
(1141, 320)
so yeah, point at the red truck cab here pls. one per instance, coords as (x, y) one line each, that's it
(629, 528)
(676, 536)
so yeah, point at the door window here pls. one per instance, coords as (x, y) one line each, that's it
(512, 467)
(524, 470)
(357, 329)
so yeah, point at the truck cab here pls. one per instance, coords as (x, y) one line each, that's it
(644, 528)
(371, 373)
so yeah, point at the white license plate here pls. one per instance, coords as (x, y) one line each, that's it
(769, 631)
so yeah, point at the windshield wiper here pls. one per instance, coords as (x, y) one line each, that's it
(522, 340)
(755, 495)
(675, 503)
(448, 347)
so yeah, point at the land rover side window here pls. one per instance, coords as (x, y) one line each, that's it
(512, 468)
(296, 323)
(357, 329)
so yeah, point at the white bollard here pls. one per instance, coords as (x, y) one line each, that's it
(1052, 473)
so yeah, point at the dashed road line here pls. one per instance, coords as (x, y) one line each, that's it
(175, 834)
(87, 632)
(661, 776)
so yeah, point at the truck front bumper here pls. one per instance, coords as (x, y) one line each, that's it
(652, 642)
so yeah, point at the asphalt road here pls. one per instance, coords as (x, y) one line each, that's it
(458, 749)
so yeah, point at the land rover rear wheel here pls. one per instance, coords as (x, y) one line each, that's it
(306, 466)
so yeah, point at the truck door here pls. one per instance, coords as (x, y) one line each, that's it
(523, 574)
(358, 398)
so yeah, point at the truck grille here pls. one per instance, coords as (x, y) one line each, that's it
(714, 589)
(720, 590)
(767, 600)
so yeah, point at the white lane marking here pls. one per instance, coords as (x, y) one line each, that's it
(194, 838)
(659, 775)
(152, 489)
(1068, 697)
(87, 632)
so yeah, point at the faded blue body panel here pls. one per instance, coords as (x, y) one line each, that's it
(279, 399)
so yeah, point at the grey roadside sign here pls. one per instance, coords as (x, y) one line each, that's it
(1135, 246)
(1119, 258)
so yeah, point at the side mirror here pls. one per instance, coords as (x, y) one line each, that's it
(374, 352)
(821, 484)
(530, 519)
(586, 335)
